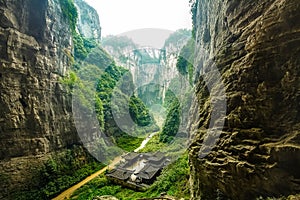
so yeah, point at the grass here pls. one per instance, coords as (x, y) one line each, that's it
(174, 150)
(154, 145)
(173, 181)
(60, 172)
(129, 143)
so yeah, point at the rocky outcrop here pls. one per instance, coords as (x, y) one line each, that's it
(255, 46)
(35, 111)
(88, 24)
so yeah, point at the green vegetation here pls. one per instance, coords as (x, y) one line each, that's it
(178, 36)
(97, 187)
(129, 143)
(150, 94)
(93, 86)
(155, 145)
(100, 58)
(172, 123)
(194, 5)
(118, 42)
(60, 172)
(82, 46)
(173, 181)
(60, 175)
(105, 89)
(139, 112)
(111, 84)
(175, 100)
(70, 80)
(94, 68)
(186, 56)
(107, 79)
(100, 112)
(69, 12)
(81, 88)
(82, 83)
(146, 58)
(107, 83)
(177, 147)
(170, 98)
(80, 52)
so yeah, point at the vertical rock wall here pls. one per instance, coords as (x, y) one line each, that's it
(256, 48)
(152, 69)
(152, 75)
(35, 111)
(88, 24)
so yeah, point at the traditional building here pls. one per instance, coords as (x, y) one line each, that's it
(119, 174)
(148, 174)
(138, 170)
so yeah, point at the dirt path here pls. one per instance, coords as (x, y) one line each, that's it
(67, 194)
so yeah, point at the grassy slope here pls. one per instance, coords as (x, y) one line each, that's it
(173, 180)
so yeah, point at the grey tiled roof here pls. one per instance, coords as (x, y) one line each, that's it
(121, 174)
(154, 162)
(148, 172)
(131, 156)
(157, 156)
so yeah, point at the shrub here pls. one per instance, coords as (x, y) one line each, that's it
(171, 125)
(69, 12)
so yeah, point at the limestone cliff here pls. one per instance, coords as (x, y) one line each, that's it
(88, 23)
(35, 111)
(256, 48)
(152, 69)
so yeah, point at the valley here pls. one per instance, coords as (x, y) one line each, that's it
(211, 112)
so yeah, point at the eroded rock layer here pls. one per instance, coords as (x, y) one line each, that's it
(256, 48)
(35, 111)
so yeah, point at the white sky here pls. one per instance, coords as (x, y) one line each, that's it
(119, 16)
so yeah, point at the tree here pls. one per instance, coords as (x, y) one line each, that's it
(172, 123)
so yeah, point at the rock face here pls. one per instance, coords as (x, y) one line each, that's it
(152, 69)
(35, 111)
(256, 48)
(88, 21)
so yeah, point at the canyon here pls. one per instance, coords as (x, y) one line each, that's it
(243, 123)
